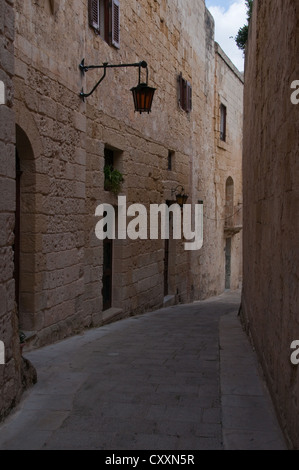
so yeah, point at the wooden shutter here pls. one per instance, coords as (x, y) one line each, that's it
(115, 23)
(189, 97)
(222, 122)
(180, 89)
(185, 94)
(184, 98)
(182, 92)
(94, 14)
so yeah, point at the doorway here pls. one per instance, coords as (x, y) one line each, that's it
(228, 247)
(169, 255)
(166, 267)
(107, 273)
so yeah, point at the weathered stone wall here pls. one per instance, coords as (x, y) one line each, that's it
(10, 372)
(271, 202)
(171, 37)
(61, 142)
(228, 171)
(51, 147)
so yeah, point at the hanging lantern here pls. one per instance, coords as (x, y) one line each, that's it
(143, 94)
(143, 97)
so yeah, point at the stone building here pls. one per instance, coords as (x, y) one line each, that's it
(15, 372)
(228, 112)
(65, 278)
(10, 374)
(271, 203)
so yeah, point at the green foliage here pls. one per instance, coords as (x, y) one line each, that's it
(113, 179)
(249, 4)
(242, 35)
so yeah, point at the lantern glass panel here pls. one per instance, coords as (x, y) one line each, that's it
(143, 97)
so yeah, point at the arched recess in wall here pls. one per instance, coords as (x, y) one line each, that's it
(25, 231)
(229, 201)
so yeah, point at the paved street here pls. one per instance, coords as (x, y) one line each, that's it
(181, 378)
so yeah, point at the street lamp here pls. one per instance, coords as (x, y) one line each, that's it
(142, 93)
(181, 197)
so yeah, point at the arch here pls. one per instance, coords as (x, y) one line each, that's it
(23, 140)
(26, 124)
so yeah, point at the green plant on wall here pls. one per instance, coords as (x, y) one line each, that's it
(242, 35)
(113, 179)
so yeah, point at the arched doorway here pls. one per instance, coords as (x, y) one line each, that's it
(24, 243)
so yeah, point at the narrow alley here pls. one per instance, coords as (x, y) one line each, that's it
(184, 377)
(143, 169)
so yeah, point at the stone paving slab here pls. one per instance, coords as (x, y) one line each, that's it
(172, 379)
(248, 418)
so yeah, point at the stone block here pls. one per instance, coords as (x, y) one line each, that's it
(46, 106)
(7, 266)
(6, 56)
(6, 124)
(9, 25)
(80, 156)
(79, 120)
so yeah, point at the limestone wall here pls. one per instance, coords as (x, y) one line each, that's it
(61, 142)
(271, 204)
(228, 171)
(51, 147)
(10, 372)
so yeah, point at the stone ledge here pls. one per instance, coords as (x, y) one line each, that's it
(231, 231)
(112, 314)
(28, 340)
(222, 144)
(168, 301)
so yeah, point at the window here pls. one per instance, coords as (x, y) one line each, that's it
(170, 160)
(185, 94)
(107, 278)
(108, 167)
(113, 177)
(104, 19)
(108, 157)
(223, 122)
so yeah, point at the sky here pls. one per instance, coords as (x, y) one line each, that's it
(229, 16)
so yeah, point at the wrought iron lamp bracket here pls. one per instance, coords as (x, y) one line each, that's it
(85, 68)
